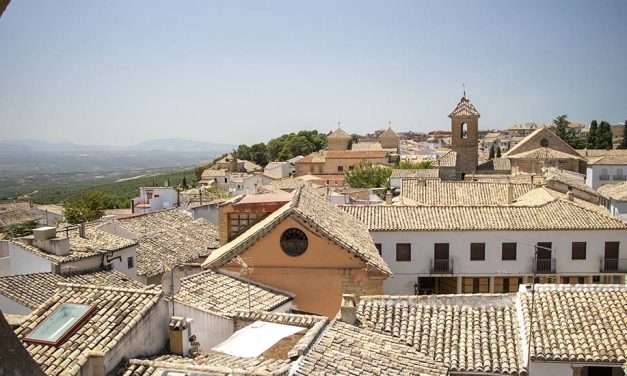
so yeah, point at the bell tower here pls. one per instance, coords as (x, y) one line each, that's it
(464, 138)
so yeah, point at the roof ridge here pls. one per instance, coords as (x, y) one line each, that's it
(150, 289)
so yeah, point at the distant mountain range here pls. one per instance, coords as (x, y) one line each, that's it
(164, 144)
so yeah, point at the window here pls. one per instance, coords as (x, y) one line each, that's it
(508, 251)
(378, 245)
(611, 250)
(543, 250)
(463, 129)
(225, 180)
(579, 251)
(403, 252)
(57, 327)
(294, 242)
(239, 222)
(340, 168)
(477, 251)
(129, 262)
(596, 279)
(440, 251)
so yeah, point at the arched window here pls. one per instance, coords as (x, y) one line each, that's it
(464, 130)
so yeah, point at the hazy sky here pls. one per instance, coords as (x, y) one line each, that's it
(118, 72)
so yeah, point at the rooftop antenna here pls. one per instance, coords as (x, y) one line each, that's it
(464, 87)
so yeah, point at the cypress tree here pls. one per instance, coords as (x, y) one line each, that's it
(491, 155)
(604, 136)
(592, 135)
(498, 151)
(561, 127)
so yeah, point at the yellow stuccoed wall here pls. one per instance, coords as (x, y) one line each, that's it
(317, 278)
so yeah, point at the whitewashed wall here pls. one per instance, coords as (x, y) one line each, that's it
(208, 328)
(405, 273)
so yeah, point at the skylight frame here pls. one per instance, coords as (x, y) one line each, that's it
(68, 332)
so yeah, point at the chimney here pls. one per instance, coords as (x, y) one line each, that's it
(388, 198)
(179, 329)
(46, 238)
(569, 195)
(348, 311)
(510, 194)
(422, 182)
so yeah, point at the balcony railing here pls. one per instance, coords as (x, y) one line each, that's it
(620, 177)
(613, 265)
(604, 177)
(442, 266)
(544, 266)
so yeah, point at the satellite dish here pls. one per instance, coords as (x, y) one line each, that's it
(171, 282)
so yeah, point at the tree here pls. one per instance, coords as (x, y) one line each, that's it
(592, 135)
(604, 136)
(184, 182)
(367, 175)
(498, 151)
(259, 154)
(243, 152)
(561, 126)
(491, 155)
(21, 229)
(86, 208)
(407, 165)
(623, 143)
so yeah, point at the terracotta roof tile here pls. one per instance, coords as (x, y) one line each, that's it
(95, 243)
(169, 237)
(580, 323)
(467, 333)
(348, 350)
(118, 311)
(223, 294)
(425, 173)
(465, 193)
(554, 215)
(464, 109)
(32, 290)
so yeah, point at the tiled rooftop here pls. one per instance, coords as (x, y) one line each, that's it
(118, 311)
(564, 177)
(309, 206)
(467, 333)
(32, 290)
(464, 109)
(95, 243)
(339, 133)
(464, 193)
(447, 160)
(425, 173)
(580, 323)
(223, 294)
(543, 153)
(213, 363)
(495, 164)
(347, 350)
(616, 191)
(554, 215)
(169, 237)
